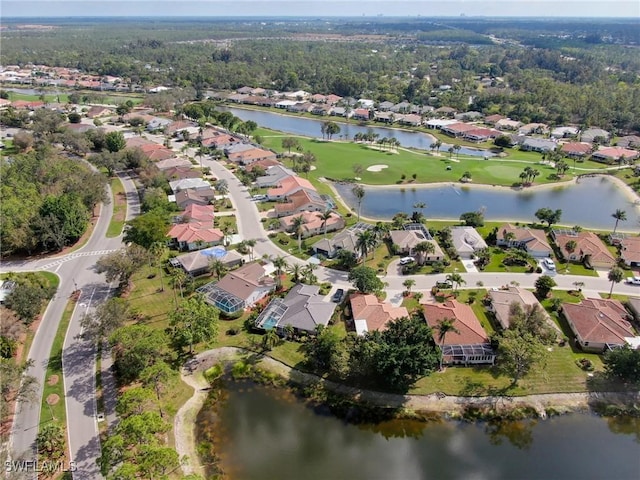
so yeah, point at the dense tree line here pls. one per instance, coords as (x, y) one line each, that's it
(590, 82)
(47, 201)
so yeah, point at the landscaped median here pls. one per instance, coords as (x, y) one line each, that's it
(53, 413)
(119, 208)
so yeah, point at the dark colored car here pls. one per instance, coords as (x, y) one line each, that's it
(337, 297)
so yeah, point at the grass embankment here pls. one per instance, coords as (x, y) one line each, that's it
(119, 208)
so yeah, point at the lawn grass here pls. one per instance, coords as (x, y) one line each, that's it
(575, 269)
(119, 208)
(495, 265)
(57, 412)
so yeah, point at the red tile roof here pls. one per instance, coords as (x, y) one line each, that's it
(375, 313)
(192, 232)
(471, 332)
(599, 320)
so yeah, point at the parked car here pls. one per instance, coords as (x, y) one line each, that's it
(633, 280)
(445, 284)
(337, 297)
(407, 260)
(259, 198)
(548, 263)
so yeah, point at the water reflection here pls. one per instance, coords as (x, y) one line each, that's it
(267, 433)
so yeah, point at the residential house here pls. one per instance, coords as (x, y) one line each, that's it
(614, 154)
(237, 148)
(339, 112)
(369, 314)
(630, 251)
(480, 134)
(197, 213)
(589, 249)
(184, 198)
(300, 107)
(564, 132)
(576, 149)
(285, 104)
(195, 235)
(405, 242)
(197, 263)
(457, 129)
(534, 128)
(467, 241)
(297, 95)
(158, 123)
(220, 141)
(333, 99)
(366, 103)
(361, 114)
(538, 145)
(302, 200)
(303, 308)
(97, 111)
(590, 135)
(237, 97)
(263, 164)
(411, 119)
(634, 307)
(598, 324)
(532, 240)
(402, 107)
(318, 98)
(156, 152)
(344, 240)
(385, 117)
(492, 119)
(313, 224)
(172, 163)
(274, 175)
(439, 123)
(181, 172)
(288, 186)
(245, 90)
(470, 116)
(629, 141)
(322, 110)
(470, 344)
(445, 112)
(189, 184)
(508, 124)
(250, 156)
(385, 106)
(239, 289)
(180, 126)
(502, 299)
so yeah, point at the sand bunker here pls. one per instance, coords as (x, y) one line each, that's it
(377, 168)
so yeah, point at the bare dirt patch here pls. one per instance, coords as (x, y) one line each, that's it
(53, 380)
(53, 399)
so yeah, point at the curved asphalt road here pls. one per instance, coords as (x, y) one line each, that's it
(76, 271)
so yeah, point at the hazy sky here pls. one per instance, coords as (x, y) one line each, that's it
(426, 8)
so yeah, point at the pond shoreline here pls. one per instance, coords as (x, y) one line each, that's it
(449, 406)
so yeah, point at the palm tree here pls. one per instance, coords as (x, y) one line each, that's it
(456, 279)
(271, 339)
(324, 216)
(457, 149)
(437, 145)
(508, 237)
(524, 176)
(279, 264)
(202, 151)
(365, 241)
(399, 219)
(408, 283)
(359, 193)
(226, 232)
(289, 331)
(619, 215)
(423, 249)
(179, 277)
(296, 225)
(450, 150)
(615, 275)
(307, 272)
(250, 243)
(158, 251)
(296, 272)
(223, 189)
(420, 206)
(445, 326)
(534, 174)
(217, 268)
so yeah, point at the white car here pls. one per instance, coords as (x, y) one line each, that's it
(548, 263)
(633, 280)
(407, 260)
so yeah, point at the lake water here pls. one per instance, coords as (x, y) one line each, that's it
(309, 127)
(589, 203)
(267, 434)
